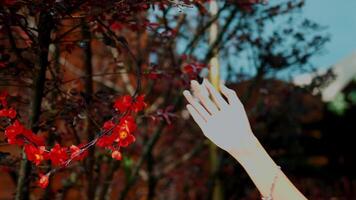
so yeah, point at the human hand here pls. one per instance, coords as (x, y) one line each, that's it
(225, 123)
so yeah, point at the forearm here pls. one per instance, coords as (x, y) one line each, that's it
(264, 172)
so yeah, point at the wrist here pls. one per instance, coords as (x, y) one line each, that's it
(250, 146)
(260, 167)
(254, 154)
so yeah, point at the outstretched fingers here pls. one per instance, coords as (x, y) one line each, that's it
(196, 116)
(202, 94)
(201, 111)
(218, 99)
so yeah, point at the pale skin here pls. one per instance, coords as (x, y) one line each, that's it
(226, 124)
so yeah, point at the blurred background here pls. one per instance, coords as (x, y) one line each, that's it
(292, 63)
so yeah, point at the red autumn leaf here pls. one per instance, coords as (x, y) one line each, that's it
(193, 69)
(166, 114)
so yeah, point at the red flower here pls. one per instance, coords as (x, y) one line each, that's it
(9, 113)
(109, 136)
(126, 102)
(18, 134)
(193, 69)
(33, 138)
(116, 155)
(77, 153)
(13, 133)
(125, 138)
(35, 154)
(123, 103)
(43, 181)
(121, 133)
(126, 126)
(128, 123)
(58, 155)
(106, 140)
(108, 125)
(139, 103)
(3, 96)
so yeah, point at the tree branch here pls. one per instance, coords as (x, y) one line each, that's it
(45, 26)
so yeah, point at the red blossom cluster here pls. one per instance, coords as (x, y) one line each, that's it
(113, 136)
(127, 103)
(17, 134)
(192, 68)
